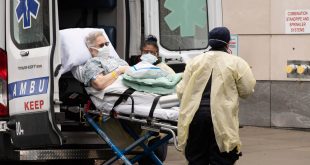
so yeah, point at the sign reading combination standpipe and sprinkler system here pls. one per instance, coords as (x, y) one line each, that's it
(297, 21)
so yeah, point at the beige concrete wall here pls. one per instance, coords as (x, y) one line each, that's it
(255, 50)
(260, 25)
(247, 16)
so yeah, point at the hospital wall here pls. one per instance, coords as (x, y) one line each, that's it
(260, 25)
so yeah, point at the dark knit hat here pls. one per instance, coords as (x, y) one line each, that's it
(219, 37)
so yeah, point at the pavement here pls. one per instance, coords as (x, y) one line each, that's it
(265, 146)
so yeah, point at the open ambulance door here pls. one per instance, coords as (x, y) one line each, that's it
(31, 27)
(182, 27)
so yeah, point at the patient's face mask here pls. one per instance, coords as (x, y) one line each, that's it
(148, 58)
(103, 52)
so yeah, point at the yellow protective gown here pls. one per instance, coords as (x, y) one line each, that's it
(231, 78)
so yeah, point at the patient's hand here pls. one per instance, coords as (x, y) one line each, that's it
(122, 69)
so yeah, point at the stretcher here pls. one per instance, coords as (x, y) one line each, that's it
(154, 124)
(155, 114)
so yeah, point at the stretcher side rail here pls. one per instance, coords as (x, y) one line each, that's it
(151, 121)
(127, 94)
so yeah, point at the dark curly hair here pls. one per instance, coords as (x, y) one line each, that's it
(149, 40)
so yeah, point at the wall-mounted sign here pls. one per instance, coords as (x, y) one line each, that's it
(297, 21)
(233, 44)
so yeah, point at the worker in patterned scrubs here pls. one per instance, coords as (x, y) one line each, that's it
(208, 124)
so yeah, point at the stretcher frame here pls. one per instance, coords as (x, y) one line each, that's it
(152, 125)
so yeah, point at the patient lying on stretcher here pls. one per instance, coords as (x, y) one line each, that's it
(103, 74)
(101, 70)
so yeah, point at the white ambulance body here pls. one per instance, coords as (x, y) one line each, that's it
(32, 92)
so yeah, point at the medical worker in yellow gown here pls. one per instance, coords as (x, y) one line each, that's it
(213, 82)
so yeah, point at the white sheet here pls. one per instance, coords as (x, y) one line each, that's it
(166, 108)
(166, 114)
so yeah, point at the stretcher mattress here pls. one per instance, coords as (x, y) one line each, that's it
(166, 109)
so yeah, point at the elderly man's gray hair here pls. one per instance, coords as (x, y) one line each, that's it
(91, 38)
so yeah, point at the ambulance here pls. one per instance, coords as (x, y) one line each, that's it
(35, 121)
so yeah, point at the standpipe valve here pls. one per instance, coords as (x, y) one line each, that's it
(302, 69)
(291, 68)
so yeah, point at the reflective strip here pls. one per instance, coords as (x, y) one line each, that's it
(28, 87)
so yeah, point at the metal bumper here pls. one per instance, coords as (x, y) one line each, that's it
(64, 154)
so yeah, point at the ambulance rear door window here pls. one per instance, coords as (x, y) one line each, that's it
(30, 27)
(183, 24)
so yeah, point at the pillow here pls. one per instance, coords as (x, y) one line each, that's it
(73, 50)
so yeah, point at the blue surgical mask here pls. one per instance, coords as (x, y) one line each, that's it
(149, 58)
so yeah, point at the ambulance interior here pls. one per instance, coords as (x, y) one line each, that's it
(113, 17)
(82, 14)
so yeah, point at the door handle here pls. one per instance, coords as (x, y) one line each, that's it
(24, 53)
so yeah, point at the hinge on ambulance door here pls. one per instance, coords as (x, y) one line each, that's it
(57, 102)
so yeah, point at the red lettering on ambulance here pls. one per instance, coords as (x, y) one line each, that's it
(33, 105)
(26, 106)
